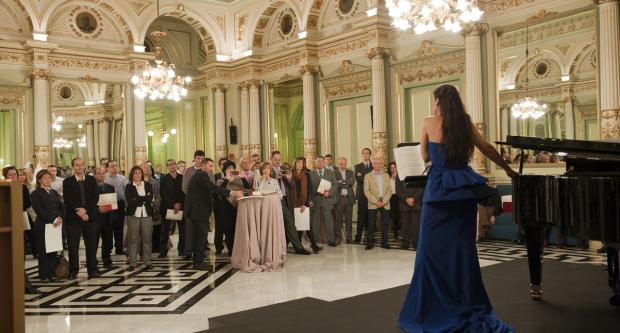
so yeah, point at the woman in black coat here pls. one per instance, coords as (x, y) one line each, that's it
(48, 207)
(139, 214)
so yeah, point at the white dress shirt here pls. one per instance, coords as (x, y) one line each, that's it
(379, 179)
(140, 211)
(344, 191)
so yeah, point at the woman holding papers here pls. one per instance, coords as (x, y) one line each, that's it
(48, 207)
(139, 212)
(300, 196)
(446, 293)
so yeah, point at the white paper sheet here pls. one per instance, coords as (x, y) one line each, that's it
(170, 215)
(53, 238)
(109, 200)
(302, 220)
(409, 161)
(324, 185)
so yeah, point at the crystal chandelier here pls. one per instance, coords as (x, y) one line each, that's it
(61, 142)
(160, 81)
(427, 15)
(528, 107)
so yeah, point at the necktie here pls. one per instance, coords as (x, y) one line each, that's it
(321, 173)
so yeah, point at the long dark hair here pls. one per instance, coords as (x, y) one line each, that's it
(457, 129)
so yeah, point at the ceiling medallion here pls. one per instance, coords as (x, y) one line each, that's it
(427, 15)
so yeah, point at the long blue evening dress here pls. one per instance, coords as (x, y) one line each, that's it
(446, 293)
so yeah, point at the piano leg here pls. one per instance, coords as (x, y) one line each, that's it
(614, 274)
(534, 239)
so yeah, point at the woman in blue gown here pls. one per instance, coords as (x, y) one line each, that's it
(446, 293)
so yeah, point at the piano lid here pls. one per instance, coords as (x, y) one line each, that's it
(597, 150)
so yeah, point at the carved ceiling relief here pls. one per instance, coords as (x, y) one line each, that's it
(9, 21)
(240, 26)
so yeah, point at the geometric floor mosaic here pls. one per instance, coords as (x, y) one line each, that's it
(170, 287)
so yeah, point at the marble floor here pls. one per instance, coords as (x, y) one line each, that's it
(172, 293)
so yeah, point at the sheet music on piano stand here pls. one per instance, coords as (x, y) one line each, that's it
(410, 164)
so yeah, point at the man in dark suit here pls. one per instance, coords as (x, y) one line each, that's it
(218, 238)
(105, 219)
(284, 179)
(172, 197)
(81, 196)
(409, 208)
(345, 199)
(323, 203)
(360, 171)
(198, 207)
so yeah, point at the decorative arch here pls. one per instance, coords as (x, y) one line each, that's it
(30, 13)
(259, 23)
(16, 18)
(519, 63)
(118, 10)
(577, 54)
(544, 56)
(204, 25)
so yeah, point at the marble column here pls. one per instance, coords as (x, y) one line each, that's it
(557, 126)
(41, 118)
(90, 143)
(514, 123)
(377, 57)
(255, 122)
(140, 155)
(221, 150)
(104, 137)
(569, 112)
(609, 68)
(473, 85)
(245, 119)
(505, 117)
(310, 143)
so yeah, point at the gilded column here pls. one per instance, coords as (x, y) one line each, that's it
(473, 87)
(90, 143)
(310, 145)
(245, 119)
(377, 57)
(41, 118)
(609, 39)
(221, 150)
(255, 121)
(140, 155)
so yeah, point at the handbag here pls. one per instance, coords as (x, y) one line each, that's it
(26, 221)
(62, 267)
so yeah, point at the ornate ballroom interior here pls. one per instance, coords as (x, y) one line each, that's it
(305, 77)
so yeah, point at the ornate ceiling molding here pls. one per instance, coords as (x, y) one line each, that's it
(429, 68)
(492, 7)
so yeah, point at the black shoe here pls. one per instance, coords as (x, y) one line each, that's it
(148, 267)
(369, 247)
(182, 254)
(302, 251)
(163, 255)
(386, 246)
(332, 244)
(414, 246)
(119, 253)
(32, 290)
(131, 268)
(317, 249)
(357, 241)
(94, 275)
(349, 241)
(107, 264)
(404, 245)
(187, 257)
(72, 276)
(201, 266)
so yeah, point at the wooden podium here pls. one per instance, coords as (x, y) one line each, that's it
(11, 258)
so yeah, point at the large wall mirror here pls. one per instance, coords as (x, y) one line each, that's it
(87, 117)
(561, 71)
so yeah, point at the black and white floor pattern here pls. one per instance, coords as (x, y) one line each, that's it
(172, 287)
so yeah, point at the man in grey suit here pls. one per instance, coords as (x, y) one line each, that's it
(323, 203)
(345, 199)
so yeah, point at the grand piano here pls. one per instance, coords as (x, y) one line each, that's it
(583, 202)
